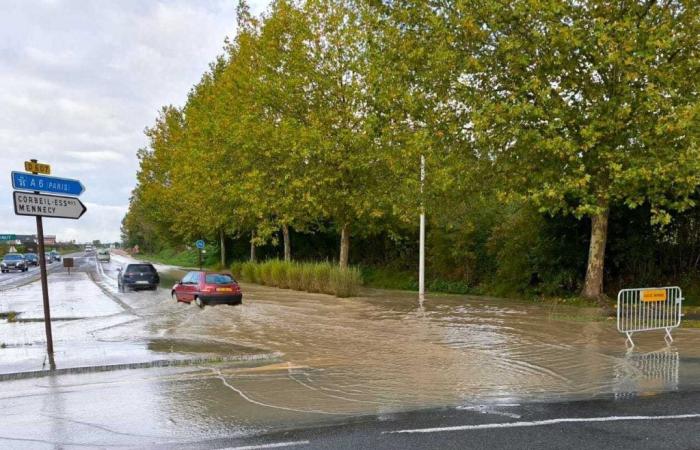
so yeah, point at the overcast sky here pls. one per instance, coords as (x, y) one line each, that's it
(79, 82)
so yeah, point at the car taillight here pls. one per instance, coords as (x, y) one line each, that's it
(129, 274)
(209, 289)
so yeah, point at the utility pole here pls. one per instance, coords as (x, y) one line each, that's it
(421, 250)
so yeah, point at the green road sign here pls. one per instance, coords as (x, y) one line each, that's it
(8, 237)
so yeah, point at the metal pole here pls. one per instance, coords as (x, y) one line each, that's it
(199, 252)
(421, 250)
(44, 287)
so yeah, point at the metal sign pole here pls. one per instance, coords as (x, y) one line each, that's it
(45, 288)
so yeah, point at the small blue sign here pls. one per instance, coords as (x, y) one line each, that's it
(42, 183)
(199, 244)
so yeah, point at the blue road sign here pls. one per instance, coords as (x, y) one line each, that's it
(199, 244)
(42, 183)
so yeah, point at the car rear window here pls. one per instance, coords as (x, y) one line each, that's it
(218, 278)
(140, 268)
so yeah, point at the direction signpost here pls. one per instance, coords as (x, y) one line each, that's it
(34, 203)
(200, 247)
(41, 183)
(8, 237)
(29, 204)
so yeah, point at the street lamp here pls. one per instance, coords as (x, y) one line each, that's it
(421, 249)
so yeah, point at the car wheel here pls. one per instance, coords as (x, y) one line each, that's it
(173, 295)
(198, 301)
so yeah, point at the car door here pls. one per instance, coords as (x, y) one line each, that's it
(181, 288)
(189, 286)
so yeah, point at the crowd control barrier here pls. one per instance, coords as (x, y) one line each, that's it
(646, 309)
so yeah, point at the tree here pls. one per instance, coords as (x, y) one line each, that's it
(580, 105)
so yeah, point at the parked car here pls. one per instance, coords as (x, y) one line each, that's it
(48, 258)
(55, 255)
(13, 261)
(207, 288)
(32, 259)
(103, 255)
(138, 276)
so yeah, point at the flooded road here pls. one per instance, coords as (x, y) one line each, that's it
(385, 352)
(379, 354)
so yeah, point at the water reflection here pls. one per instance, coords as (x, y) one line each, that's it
(647, 373)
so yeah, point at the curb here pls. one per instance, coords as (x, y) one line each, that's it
(139, 365)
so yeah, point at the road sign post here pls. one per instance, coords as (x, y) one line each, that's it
(42, 183)
(40, 205)
(200, 247)
(29, 204)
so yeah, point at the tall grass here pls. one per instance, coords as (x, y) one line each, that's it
(325, 278)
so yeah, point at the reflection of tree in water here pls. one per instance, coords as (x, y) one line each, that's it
(640, 373)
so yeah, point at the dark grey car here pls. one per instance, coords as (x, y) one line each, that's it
(13, 261)
(138, 276)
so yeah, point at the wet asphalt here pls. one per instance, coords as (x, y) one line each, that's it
(369, 372)
(668, 421)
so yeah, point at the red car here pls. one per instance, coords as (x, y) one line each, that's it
(207, 288)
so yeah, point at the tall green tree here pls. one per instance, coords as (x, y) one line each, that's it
(582, 104)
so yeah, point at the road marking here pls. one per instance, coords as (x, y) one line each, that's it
(275, 445)
(538, 423)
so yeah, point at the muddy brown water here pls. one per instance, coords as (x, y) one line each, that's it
(386, 352)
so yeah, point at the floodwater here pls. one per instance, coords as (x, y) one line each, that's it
(386, 352)
(338, 358)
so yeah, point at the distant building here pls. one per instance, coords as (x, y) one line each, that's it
(30, 241)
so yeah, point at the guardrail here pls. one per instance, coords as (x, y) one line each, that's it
(647, 309)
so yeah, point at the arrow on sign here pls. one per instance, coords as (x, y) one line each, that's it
(42, 183)
(28, 204)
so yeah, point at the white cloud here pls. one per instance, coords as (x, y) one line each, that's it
(81, 80)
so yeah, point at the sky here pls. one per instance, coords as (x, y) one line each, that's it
(80, 80)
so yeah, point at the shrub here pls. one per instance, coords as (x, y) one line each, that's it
(345, 282)
(311, 277)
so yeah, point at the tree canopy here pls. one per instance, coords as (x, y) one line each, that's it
(317, 113)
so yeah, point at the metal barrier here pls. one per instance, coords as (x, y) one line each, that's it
(647, 309)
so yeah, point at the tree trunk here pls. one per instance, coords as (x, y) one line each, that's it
(222, 239)
(287, 243)
(344, 246)
(593, 286)
(252, 246)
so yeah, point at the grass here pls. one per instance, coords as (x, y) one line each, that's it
(181, 258)
(323, 277)
(11, 316)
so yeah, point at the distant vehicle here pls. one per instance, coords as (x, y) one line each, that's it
(89, 250)
(55, 255)
(13, 261)
(138, 276)
(32, 259)
(48, 258)
(103, 255)
(207, 288)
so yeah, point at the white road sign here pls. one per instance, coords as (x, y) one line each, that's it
(28, 204)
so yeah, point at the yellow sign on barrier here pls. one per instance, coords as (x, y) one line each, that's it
(654, 295)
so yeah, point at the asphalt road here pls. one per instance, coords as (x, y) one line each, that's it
(666, 421)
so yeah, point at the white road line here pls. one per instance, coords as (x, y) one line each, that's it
(538, 423)
(275, 445)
